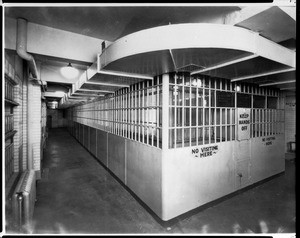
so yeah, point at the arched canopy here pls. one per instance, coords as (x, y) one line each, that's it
(197, 46)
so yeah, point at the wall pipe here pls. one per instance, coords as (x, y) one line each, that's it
(22, 48)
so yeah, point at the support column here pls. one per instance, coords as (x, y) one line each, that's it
(34, 127)
(165, 111)
(165, 136)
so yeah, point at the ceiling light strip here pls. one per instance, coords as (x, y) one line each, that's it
(108, 84)
(123, 74)
(225, 64)
(276, 83)
(263, 74)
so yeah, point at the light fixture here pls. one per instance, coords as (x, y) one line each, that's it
(69, 71)
(59, 93)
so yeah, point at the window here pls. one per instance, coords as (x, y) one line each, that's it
(225, 99)
(272, 102)
(243, 100)
(259, 101)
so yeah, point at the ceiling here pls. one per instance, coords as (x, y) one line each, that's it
(110, 23)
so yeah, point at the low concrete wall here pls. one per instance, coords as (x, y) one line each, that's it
(137, 165)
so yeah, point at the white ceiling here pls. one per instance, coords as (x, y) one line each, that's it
(109, 23)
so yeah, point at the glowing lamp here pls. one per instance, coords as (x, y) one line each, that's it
(69, 71)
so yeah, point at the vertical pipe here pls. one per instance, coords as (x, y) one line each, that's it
(165, 111)
(165, 136)
(22, 46)
(29, 126)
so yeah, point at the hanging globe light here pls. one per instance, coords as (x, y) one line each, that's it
(69, 71)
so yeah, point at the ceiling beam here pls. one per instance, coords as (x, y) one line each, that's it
(86, 94)
(80, 99)
(95, 90)
(244, 14)
(107, 84)
(276, 83)
(262, 74)
(230, 62)
(62, 44)
(290, 88)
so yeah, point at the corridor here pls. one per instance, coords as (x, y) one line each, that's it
(78, 195)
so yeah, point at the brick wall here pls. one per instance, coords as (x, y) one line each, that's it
(27, 115)
(24, 125)
(17, 111)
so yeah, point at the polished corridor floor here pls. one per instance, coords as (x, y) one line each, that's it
(77, 195)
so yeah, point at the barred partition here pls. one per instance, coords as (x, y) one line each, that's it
(202, 110)
(133, 113)
(179, 141)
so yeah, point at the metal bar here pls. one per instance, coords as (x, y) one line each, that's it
(183, 111)
(142, 112)
(147, 112)
(190, 112)
(197, 109)
(175, 111)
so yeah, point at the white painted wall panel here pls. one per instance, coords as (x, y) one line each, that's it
(190, 181)
(143, 173)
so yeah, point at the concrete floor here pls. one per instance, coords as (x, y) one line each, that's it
(77, 195)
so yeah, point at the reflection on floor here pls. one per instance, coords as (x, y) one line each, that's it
(77, 195)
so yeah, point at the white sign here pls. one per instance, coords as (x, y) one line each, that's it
(268, 140)
(243, 118)
(206, 151)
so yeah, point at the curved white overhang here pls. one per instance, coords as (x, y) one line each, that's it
(165, 39)
(223, 51)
